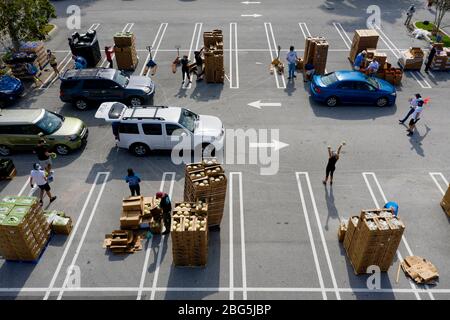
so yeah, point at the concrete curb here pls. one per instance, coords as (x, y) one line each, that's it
(49, 35)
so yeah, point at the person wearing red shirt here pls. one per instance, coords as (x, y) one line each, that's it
(109, 53)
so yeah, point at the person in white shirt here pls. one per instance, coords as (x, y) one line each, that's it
(39, 177)
(415, 118)
(373, 67)
(292, 62)
(412, 105)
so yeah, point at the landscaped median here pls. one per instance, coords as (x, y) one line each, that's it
(429, 26)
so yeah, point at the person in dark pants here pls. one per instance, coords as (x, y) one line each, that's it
(115, 129)
(39, 177)
(430, 59)
(109, 53)
(166, 206)
(412, 106)
(44, 155)
(133, 181)
(199, 64)
(333, 157)
(185, 70)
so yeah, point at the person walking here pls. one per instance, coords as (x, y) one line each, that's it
(333, 157)
(53, 62)
(109, 54)
(44, 156)
(133, 181)
(292, 62)
(199, 64)
(415, 118)
(430, 58)
(166, 206)
(409, 14)
(38, 176)
(412, 106)
(185, 72)
(359, 60)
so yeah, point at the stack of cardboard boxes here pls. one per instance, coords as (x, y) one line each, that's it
(206, 181)
(190, 234)
(445, 203)
(24, 231)
(59, 222)
(373, 239)
(123, 241)
(214, 66)
(316, 52)
(141, 210)
(38, 48)
(411, 59)
(441, 61)
(362, 40)
(125, 50)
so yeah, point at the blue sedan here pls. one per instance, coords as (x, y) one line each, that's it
(10, 89)
(352, 87)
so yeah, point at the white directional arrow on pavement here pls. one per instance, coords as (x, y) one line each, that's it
(255, 15)
(250, 2)
(258, 104)
(277, 145)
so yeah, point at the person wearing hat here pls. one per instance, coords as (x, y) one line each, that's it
(39, 177)
(166, 206)
(359, 60)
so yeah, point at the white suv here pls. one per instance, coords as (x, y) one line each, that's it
(146, 128)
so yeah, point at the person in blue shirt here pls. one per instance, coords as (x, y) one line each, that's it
(133, 181)
(393, 206)
(80, 62)
(292, 62)
(359, 60)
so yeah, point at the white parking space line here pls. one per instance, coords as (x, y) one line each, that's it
(341, 32)
(75, 229)
(242, 229)
(322, 237)
(231, 236)
(160, 249)
(27, 182)
(45, 84)
(273, 49)
(234, 62)
(397, 53)
(126, 28)
(94, 26)
(377, 204)
(311, 238)
(439, 174)
(195, 35)
(162, 30)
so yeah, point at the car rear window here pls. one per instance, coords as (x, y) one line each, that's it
(129, 128)
(152, 129)
(329, 79)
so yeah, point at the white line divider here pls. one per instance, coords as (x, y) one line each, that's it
(94, 27)
(231, 236)
(341, 32)
(24, 186)
(60, 71)
(52, 74)
(273, 49)
(75, 229)
(162, 28)
(397, 53)
(234, 81)
(311, 238)
(195, 35)
(433, 174)
(304, 29)
(242, 227)
(127, 28)
(322, 237)
(365, 174)
(158, 260)
(149, 245)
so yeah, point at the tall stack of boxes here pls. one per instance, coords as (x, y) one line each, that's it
(362, 40)
(445, 203)
(189, 232)
(125, 50)
(38, 48)
(441, 60)
(206, 181)
(316, 53)
(24, 231)
(214, 66)
(373, 239)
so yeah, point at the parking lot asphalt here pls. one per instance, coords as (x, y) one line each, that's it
(278, 238)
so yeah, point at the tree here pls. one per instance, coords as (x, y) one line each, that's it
(24, 20)
(442, 6)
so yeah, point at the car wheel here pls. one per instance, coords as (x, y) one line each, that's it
(4, 150)
(208, 150)
(62, 149)
(80, 104)
(332, 101)
(136, 102)
(382, 102)
(140, 149)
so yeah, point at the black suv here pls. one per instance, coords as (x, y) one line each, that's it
(81, 87)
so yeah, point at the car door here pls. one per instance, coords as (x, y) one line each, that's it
(176, 134)
(153, 135)
(128, 134)
(365, 93)
(11, 136)
(30, 136)
(111, 90)
(345, 91)
(91, 89)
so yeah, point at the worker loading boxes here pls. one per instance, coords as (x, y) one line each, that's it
(362, 40)
(214, 66)
(125, 50)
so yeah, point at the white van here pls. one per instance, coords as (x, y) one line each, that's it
(146, 128)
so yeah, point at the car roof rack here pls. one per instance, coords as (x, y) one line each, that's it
(132, 116)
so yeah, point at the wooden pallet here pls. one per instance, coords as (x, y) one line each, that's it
(11, 175)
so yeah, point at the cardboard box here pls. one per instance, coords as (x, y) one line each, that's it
(124, 39)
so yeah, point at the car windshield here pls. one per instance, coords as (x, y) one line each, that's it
(49, 123)
(373, 82)
(188, 119)
(121, 79)
(329, 79)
